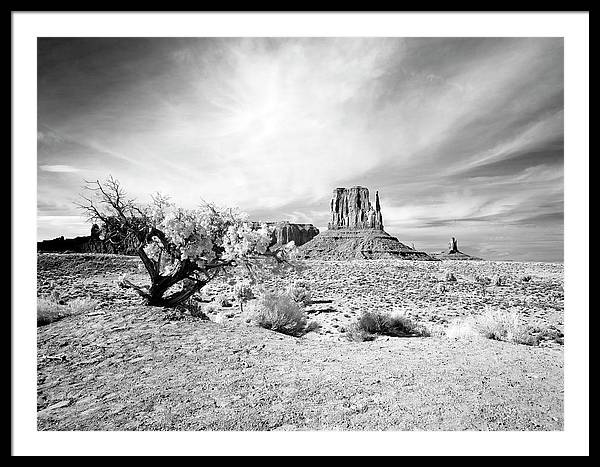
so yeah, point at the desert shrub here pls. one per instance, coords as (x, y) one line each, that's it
(278, 312)
(504, 326)
(242, 291)
(387, 324)
(49, 310)
(483, 280)
(211, 308)
(82, 305)
(549, 334)
(222, 300)
(526, 278)
(194, 308)
(463, 329)
(300, 293)
(501, 326)
(355, 333)
(52, 308)
(499, 281)
(450, 277)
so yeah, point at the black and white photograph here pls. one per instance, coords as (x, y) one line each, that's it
(303, 233)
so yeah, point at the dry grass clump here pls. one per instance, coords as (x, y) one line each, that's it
(243, 292)
(51, 308)
(503, 326)
(355, 333)
(497, 325)
(373, 323)
(483, 280)
(194, 308)
(278, 312)
(211, 308)
(500, 281)
(222, 300)
(463, 329)
(300, 293)
(450, 277)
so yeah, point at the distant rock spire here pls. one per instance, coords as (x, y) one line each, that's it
(453, 246)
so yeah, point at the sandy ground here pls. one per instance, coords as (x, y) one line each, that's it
(126, 366)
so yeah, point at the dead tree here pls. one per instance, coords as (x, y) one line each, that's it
(124, 221)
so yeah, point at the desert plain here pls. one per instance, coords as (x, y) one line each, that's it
(127, 366)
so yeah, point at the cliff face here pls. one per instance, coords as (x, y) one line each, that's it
(285, 232)
(350, 208)
(355, 231)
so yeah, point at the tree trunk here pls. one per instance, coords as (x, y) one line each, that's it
(157, 297)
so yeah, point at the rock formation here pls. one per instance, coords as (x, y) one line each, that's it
(351, 209)
(85, 244)
(454, 253)
(355, 231)
(453, 246)
(285, 232)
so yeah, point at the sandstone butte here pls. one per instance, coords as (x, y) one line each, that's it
(355, 231)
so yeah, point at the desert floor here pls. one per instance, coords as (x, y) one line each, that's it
(126, 366)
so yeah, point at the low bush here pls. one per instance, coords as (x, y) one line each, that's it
(500, 281)
(355, 333)
(494, 324)
(194, 308)
(211, 308)
(300, 293)
(242, 291)
(386, 324)
(483, 280)
(463, 329)
(278, 312)
(52, 308)
(222, 300)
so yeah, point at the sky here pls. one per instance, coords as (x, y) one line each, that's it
(461, 137)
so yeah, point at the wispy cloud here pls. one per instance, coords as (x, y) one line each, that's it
(58, 168)
(452, 132)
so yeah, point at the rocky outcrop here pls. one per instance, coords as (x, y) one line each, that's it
(285, 232)
(300, 234)
(350, 208)
(347, 244)
(356, 231)
(453, 253)
(85, 244)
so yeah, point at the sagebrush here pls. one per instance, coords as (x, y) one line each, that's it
(279, 312)
(496, 325)
(387, 324)
(299, 291)
(51, 308)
